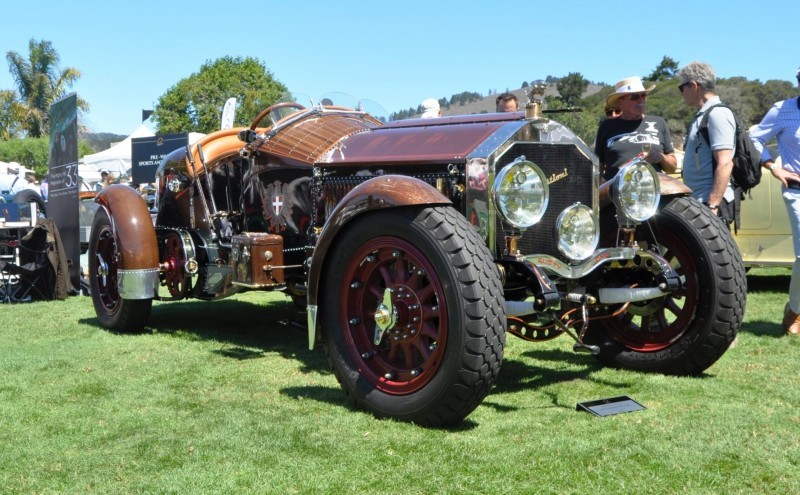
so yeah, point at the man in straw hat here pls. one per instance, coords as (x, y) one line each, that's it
(633, 133)
(710, 183)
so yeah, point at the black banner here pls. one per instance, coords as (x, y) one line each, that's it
(147, 153)
(62, 200)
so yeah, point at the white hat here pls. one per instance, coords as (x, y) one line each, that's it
(625, 87)
(430, 108)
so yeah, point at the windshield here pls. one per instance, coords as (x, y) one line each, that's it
(291, 103)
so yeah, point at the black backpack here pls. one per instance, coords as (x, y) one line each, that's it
(746, 173)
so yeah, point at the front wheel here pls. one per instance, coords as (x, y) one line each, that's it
(413, 315)
(684, 332)
(114, 312)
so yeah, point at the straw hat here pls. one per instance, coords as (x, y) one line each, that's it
(625, 87)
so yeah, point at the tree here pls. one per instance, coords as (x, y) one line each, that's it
(666, 69)
(40, 83)
(572, 87)
(34, 153)
(12, 114)
(195, 103)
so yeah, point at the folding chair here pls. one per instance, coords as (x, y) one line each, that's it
(29, 275)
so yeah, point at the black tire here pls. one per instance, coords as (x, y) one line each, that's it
(114, 313)
(433, 370)
(685, 332)
(31, 196)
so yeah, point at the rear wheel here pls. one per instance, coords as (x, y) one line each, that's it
(686, 331)
(31, 196)
(115, 313)
(413, 315)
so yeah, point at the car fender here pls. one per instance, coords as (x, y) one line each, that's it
(388, 191)
(132, 225)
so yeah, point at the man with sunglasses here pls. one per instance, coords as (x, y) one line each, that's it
(632, 132)
(782, 122)
(710, 183)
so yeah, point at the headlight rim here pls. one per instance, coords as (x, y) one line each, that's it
(590, 248)
(618, 185)
(497, 198)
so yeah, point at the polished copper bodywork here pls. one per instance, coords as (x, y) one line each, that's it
(309, 139)
(133, 227)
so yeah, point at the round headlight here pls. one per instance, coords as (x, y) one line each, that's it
(636, 191)
(521, 193)
(577, 232)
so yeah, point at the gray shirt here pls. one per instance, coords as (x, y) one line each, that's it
(698, 168)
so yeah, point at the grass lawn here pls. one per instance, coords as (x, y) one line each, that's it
(222, 398)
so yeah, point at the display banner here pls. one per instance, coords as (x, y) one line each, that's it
(228, 114)
(148, 152)
(63, 182)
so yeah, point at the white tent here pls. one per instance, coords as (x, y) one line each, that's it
(116, 159)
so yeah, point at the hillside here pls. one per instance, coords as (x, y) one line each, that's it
(487, 103)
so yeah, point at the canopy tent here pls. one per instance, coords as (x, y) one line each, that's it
(116, 159)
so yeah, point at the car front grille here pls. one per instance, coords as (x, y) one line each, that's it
(570, 174)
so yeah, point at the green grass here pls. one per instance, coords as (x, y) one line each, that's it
(220, 398)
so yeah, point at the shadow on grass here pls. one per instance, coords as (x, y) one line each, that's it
(768, 283)
(244, 329)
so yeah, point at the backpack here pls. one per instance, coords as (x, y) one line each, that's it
(746, 173)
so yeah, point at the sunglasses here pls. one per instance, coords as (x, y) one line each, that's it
(637, 96)
(681, 86)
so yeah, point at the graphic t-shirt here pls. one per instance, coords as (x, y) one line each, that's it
(620, 140)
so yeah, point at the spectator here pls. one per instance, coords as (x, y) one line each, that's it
(44, 187)
(782, 122)
(632, 132)
(707, 165)
(106, 179)
(430, 109)
(507, 102)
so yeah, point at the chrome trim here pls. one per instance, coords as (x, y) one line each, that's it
(311, 315)
(138, 284)
(551, 264)
(503, 137)
(622, 295)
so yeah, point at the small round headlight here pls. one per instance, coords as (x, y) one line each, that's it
(521, 193)
(577, 232)
(636, 191)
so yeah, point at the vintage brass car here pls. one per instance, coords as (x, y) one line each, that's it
(416, 245)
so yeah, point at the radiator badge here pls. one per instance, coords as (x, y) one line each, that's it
(557, 177)
(277, 206)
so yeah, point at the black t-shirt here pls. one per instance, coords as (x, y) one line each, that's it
(620, 140)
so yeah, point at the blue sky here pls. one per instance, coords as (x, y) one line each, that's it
(396, 53)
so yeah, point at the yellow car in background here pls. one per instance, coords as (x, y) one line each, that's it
(765, 236)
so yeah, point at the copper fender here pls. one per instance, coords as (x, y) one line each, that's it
(389, 191)
(136, 241)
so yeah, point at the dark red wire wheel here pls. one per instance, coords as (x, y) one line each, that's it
(413, 315)
(686, 331)
(393, 276)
